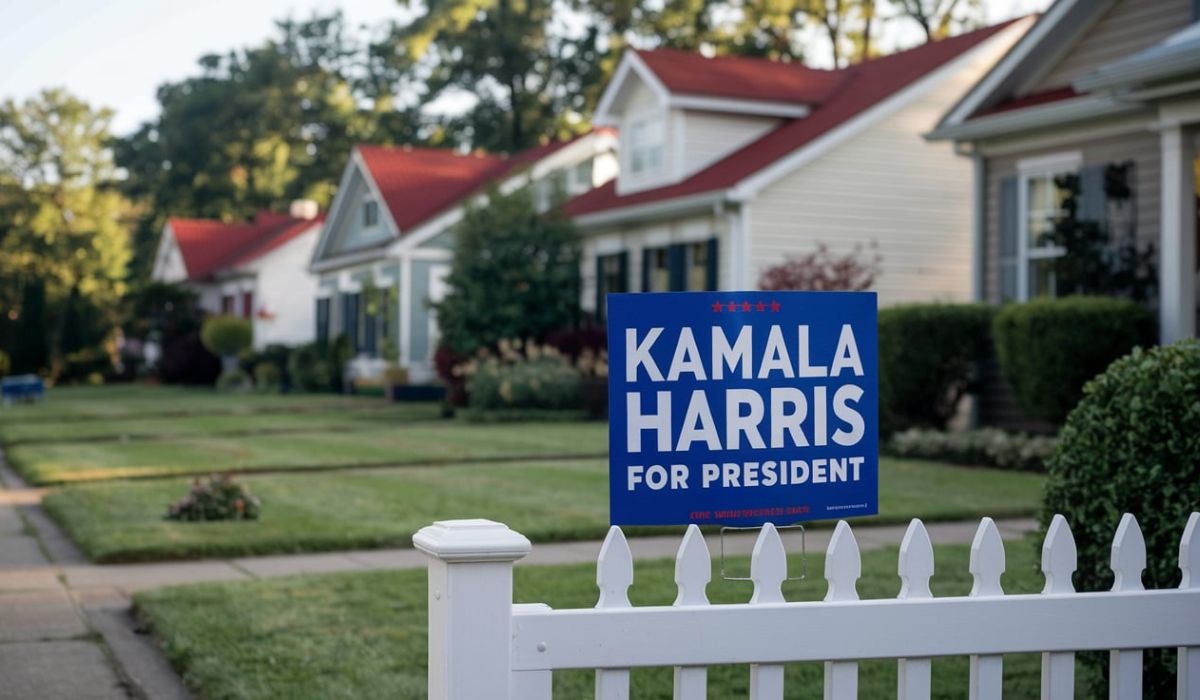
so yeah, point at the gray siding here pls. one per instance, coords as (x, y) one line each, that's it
(1141, 147)
(1125, 28)
(346, 232)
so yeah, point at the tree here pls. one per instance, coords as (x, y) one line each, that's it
(940, 18)
(62, 226)
(260, 127)
(515, 275)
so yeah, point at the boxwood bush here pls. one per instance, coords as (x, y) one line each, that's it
(1132, 445)
(928, 358)
(1048, 348)
(226, 335)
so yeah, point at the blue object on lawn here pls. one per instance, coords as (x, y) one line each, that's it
(23, 387)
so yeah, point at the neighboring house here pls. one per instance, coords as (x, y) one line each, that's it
(256, 270)
(728, 165)
(386, 248)
(1106, 90)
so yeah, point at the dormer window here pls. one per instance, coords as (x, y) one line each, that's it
(370, 214)
(646, 145)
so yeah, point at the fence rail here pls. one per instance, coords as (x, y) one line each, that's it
(481, 645)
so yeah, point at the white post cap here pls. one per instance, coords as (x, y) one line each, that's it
(471, 541)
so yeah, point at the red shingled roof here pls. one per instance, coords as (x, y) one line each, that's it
(208, 246)
(688, 73)
(859, 88)
(1030, 100)
(419, 183)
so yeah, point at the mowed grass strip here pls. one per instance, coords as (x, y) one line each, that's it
(547, 501)
(217, 424)
(69, 404)
(422, 443)
(364, 635)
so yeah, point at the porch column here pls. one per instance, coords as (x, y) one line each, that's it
(1177, 246)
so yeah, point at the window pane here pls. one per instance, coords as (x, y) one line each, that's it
(697, 270)
(660, 271)
(1041, 278)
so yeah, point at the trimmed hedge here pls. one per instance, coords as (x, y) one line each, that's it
(226, 335)
(928, 358)
(1049, 348)
(1132, 445)
(990, 447)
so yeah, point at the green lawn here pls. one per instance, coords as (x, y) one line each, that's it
(353, 417)
(122, 521)
(133, 400)
(423, 443)
(364, 635)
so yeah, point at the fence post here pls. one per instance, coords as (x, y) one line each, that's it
(470, 607)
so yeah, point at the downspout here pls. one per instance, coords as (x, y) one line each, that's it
(979, 226)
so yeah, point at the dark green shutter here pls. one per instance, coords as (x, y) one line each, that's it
(646, 255)
(322, 321)
(1091, 194)
(600, 290)
(677, 267)
(1009, 245)
(623, 271)
(710, 275)
(350, 320)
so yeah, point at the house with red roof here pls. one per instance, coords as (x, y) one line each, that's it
(1091, 119)
(255, 269)
(385, 250)
(729, 165)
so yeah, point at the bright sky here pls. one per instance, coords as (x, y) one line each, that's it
(115, 53)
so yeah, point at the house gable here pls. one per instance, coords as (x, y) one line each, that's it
(350, 226)
(1123, 28)
(169, 265)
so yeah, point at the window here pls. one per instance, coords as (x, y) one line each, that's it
(580, 180)
(370, 214)
(227, 302)
(247, 304)
(646, 145)
(656, 268)
(612, 277)
(1044, 187)
(697, 267)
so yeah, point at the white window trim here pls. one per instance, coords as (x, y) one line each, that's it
(638, 120)
(1027, 169)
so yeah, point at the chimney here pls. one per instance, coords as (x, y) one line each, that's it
(303, 209)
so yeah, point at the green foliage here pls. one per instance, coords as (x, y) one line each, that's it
(928, 358)
(546, 382)
(1049, 348)
(267, 377)
(989, 447)
(216, 498)
(65, 245)
(515, 275)
(226, 335)
(5, 363)
(1131, 446)
(309, 369)
(233, 380)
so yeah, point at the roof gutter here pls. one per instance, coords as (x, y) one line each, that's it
(350, 258)
(1123, 74)
(651, 211)
(1054, 114)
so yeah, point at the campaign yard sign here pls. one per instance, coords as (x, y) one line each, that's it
(742, 408)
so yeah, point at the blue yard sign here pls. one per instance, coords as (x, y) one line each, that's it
(742, 408)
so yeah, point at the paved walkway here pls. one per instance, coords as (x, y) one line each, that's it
(66, 630)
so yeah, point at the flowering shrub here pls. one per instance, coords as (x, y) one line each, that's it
(216, 498)
(526, 375)
(823, 270)
(989, 447)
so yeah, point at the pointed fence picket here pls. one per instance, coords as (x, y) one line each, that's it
(482, 645)
(913, 677)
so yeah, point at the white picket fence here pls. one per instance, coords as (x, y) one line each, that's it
(482, 646)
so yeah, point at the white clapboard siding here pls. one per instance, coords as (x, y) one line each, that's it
(693, 571)
(987, 564)
(913, 677)
(1059, 560)
(477, 636)
(768, 570)
(614, 576)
